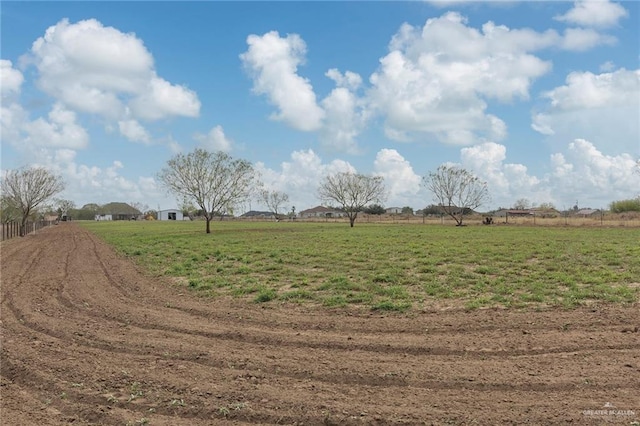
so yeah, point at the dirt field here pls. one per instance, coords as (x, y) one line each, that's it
(88, 339)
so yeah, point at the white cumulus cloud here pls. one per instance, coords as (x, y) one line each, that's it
(436, 78)
(273, 62)
(60, 130)
(581, 172)
(586, 174)
(134, 131)
(582, 39)
(402, 183)
(300, 176)
(10, 79)
(594, 13)
(215, 140)
(602, 108)
(100, 70)
(506, 181)
(344, 120)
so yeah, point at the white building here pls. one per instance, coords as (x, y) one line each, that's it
(170, 214)
(100, 217)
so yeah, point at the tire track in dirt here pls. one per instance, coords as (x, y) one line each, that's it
(202, 362)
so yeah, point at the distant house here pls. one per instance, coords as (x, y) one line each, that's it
(587, 212)
(520, 212)
(545, 213)
(170, 214)
(393, 210)
(101, 217)
(321, 211)
(119, 211)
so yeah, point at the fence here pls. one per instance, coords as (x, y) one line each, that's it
(12, 229)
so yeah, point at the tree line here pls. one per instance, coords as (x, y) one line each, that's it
(213, 183)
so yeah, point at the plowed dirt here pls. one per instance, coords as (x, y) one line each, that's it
(89, 339)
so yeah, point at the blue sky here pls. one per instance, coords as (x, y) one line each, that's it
(540, 99)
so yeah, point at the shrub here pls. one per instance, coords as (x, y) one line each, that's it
(622, 206)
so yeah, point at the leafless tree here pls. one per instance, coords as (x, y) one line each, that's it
(274, 200)
(522, 204)
(456, 190)
(141, 207)
(187, 208)
(352, 192)
(212, 180)
(547, 206)
(63, 207)
(25, 189)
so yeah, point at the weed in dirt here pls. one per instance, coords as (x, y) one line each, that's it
(177, 402)
(265, 295)
(388, 266)
(135, 391)
(142, 421)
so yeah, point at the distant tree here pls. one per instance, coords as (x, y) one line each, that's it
(26, 188)
(64, 207)
(274, 200)
(522, 204)
(352, 192)
(187, 208)
(432, 210)
(8, 211)
(407, 210)
(141, 207)
(456, 190)
(375, 209)
(213, 181)
(91, 207)
(622, 206)
(547, 206)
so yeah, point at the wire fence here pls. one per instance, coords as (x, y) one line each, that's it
(12, 229)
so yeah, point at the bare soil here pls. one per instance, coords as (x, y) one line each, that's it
(87, 339)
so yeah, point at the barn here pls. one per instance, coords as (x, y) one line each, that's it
(170, 214)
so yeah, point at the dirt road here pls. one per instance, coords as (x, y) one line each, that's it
(88, 339)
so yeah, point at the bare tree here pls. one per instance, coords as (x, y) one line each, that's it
(187, 208)
(353, 192)
(213, 181)
(456, 190)
(64, 207)
(274, 200)
(141, 207)
(522, 204)
(26, 188)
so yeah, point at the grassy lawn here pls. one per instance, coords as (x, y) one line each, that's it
(388, 266)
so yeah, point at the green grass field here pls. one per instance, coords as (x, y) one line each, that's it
(387, 266)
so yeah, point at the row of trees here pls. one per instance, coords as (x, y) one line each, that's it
(215, 182)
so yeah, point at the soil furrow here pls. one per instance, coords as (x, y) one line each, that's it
(88, 339)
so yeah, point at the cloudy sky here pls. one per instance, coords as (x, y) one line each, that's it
(540, 99)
